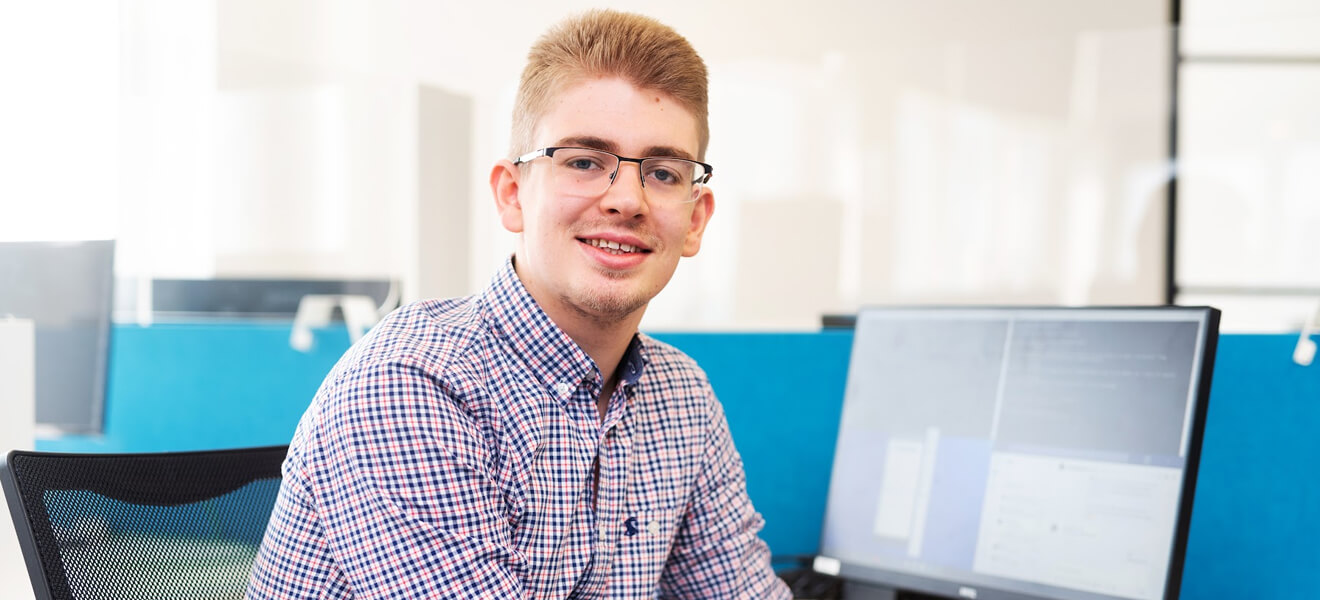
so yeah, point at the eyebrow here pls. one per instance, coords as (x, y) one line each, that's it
(597, 143)
(668, 152)
(589, 141)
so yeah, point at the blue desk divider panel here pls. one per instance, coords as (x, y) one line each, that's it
(1254, 526)
(782, 394)
(1257, 515)
(174, 387)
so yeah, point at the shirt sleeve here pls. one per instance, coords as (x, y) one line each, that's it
(388, 487)
(717, 552)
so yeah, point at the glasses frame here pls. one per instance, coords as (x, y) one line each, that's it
(550, 151)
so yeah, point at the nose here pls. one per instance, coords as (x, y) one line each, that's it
(626, 194)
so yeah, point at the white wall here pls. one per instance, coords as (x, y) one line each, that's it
(946, 151)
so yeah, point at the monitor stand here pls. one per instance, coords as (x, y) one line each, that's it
(853, 590)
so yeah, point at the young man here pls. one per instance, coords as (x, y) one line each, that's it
(528, 442)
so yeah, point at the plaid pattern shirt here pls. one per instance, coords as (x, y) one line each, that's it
(451, 452)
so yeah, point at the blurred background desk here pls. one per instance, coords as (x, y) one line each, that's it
(208, 385)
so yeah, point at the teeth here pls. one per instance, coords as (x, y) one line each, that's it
(613, 247)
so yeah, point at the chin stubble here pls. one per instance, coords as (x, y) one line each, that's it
(604, 309)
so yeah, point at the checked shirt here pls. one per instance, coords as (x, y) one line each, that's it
(450, 454)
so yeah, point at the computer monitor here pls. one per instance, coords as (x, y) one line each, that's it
(67, 288)
(1019, 453)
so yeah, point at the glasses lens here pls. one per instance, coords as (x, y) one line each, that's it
(581, 171)
(672, 179)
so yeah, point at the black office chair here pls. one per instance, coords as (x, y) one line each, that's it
(121, 526)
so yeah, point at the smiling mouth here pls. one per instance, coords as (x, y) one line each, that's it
(614, 247)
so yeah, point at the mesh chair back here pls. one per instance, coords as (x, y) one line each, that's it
(128, 526)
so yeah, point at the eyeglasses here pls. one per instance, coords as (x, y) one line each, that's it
(587, 172)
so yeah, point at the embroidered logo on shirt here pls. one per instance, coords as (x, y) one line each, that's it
(630, 526)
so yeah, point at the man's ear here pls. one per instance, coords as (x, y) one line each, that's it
(702, 210)
(504, 187)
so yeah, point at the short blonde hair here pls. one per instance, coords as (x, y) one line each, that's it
(607, 43)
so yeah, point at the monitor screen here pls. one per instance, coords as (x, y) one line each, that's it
(67, 289)
(1045, 453)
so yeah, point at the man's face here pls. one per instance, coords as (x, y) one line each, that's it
(560, 257)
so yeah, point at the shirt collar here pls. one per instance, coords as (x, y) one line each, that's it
(634, 362)
(553, 358)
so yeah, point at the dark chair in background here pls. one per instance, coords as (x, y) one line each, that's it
(120, 526)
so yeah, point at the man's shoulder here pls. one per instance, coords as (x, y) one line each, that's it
(438, 318)
(430, 335)
(668, 364)
(414, 357)
(658, 352)
(413, 372)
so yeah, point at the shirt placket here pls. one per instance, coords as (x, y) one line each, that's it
(615, 444)
(611, 444)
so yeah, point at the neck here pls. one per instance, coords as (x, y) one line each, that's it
(604, 340)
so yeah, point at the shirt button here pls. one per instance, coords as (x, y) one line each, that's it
(653, 527)
(603, 532)
(564, 388)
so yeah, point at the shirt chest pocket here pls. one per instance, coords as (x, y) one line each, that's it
(652, 514)
(652, 511)
(658, 482)
(644, 542)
